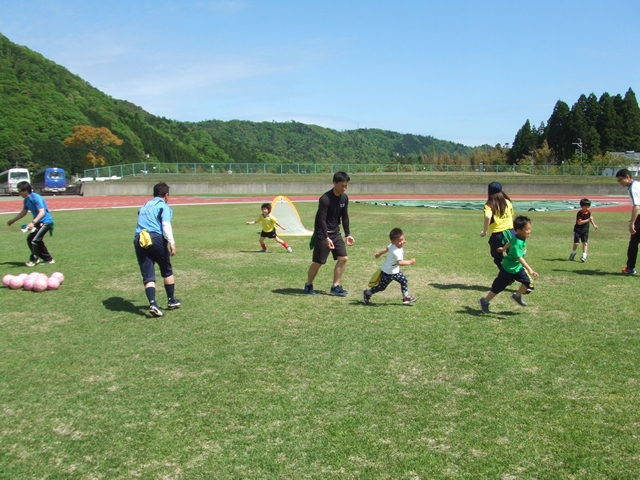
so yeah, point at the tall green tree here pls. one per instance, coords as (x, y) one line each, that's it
(609, 125)
(558, 132)
(630, 115)
(524, 144)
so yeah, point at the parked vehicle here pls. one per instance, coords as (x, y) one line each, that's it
(50, 180)
(9, 180)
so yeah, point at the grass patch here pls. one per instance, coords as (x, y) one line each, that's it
(253, 379)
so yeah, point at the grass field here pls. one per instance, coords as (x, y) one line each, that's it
(253, 379)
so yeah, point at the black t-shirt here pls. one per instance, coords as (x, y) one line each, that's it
(581, 216)
(332, 210)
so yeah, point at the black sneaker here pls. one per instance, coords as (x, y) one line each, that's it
(308, 288)
(338, 290)
(155, 311)
(174, 303)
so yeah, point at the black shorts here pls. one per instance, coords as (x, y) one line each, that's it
(271, 234)
(321, 251)
(580, 237)
(504, 279)
(158, 253)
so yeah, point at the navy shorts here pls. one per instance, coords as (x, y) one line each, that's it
(158, 253)
(321, 251)
(580, 237)
(504, 279)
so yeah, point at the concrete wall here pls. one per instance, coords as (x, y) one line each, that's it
(287, 188)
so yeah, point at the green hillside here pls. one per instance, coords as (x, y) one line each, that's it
(42, 101)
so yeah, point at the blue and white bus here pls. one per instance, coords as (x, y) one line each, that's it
(9, 180)
(49, 180)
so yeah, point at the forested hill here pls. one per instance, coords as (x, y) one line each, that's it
(41, 102)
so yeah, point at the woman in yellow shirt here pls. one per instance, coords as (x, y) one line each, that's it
(498, 221)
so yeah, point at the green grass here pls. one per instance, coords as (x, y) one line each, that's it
(253, 379)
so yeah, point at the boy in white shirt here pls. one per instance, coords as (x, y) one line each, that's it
(390, 269)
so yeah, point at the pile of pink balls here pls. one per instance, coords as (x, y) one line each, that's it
(37, 282)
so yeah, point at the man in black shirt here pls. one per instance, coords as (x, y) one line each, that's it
(332, 210)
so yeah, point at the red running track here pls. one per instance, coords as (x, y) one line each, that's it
(56, 203)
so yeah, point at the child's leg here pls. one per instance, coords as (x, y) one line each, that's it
(280, 241)
(385, 280)
(585, 247)
(264, 247)
(401, 278)
(502, 281)
(522, 289)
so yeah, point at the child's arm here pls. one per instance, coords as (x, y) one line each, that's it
(527, 267)
(593, 223)
(381, 252)
(251, 223)
(403, 263)
(504, 248)
(281, 227)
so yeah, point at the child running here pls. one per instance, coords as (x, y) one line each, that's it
(498, 220)
(390, 269)
(269, 224)
(514, 266)
(581, 229)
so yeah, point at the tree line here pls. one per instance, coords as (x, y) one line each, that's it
(587, 132)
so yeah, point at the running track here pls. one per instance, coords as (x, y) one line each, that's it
(57, 203)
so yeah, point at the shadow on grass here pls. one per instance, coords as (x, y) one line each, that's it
(254, 251)
(119, 304)
(382, 304)
(14, 264)
(295, 291)
(591, 272)
(460, 286)
(476, 312)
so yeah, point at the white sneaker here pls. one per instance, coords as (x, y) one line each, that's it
(289, 249)
(572, 256)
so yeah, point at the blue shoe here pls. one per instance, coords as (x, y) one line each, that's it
(308, 288)
(338, 290)
(484, 305)
(626, 271)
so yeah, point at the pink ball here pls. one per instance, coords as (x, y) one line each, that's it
(16, 283)
(28, 283)
(59, 276)
(40, 284)
(53, 283)
(6, 280)
(23, 276)
(33, 274)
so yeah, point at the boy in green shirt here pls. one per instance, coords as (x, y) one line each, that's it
(514, 266)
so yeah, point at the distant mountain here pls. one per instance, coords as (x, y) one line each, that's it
(41, 101)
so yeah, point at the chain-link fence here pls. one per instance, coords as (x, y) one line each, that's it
(136, 169)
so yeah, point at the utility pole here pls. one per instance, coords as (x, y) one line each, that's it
(579, 144)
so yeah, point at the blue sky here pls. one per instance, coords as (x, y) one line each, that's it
(466, 71)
